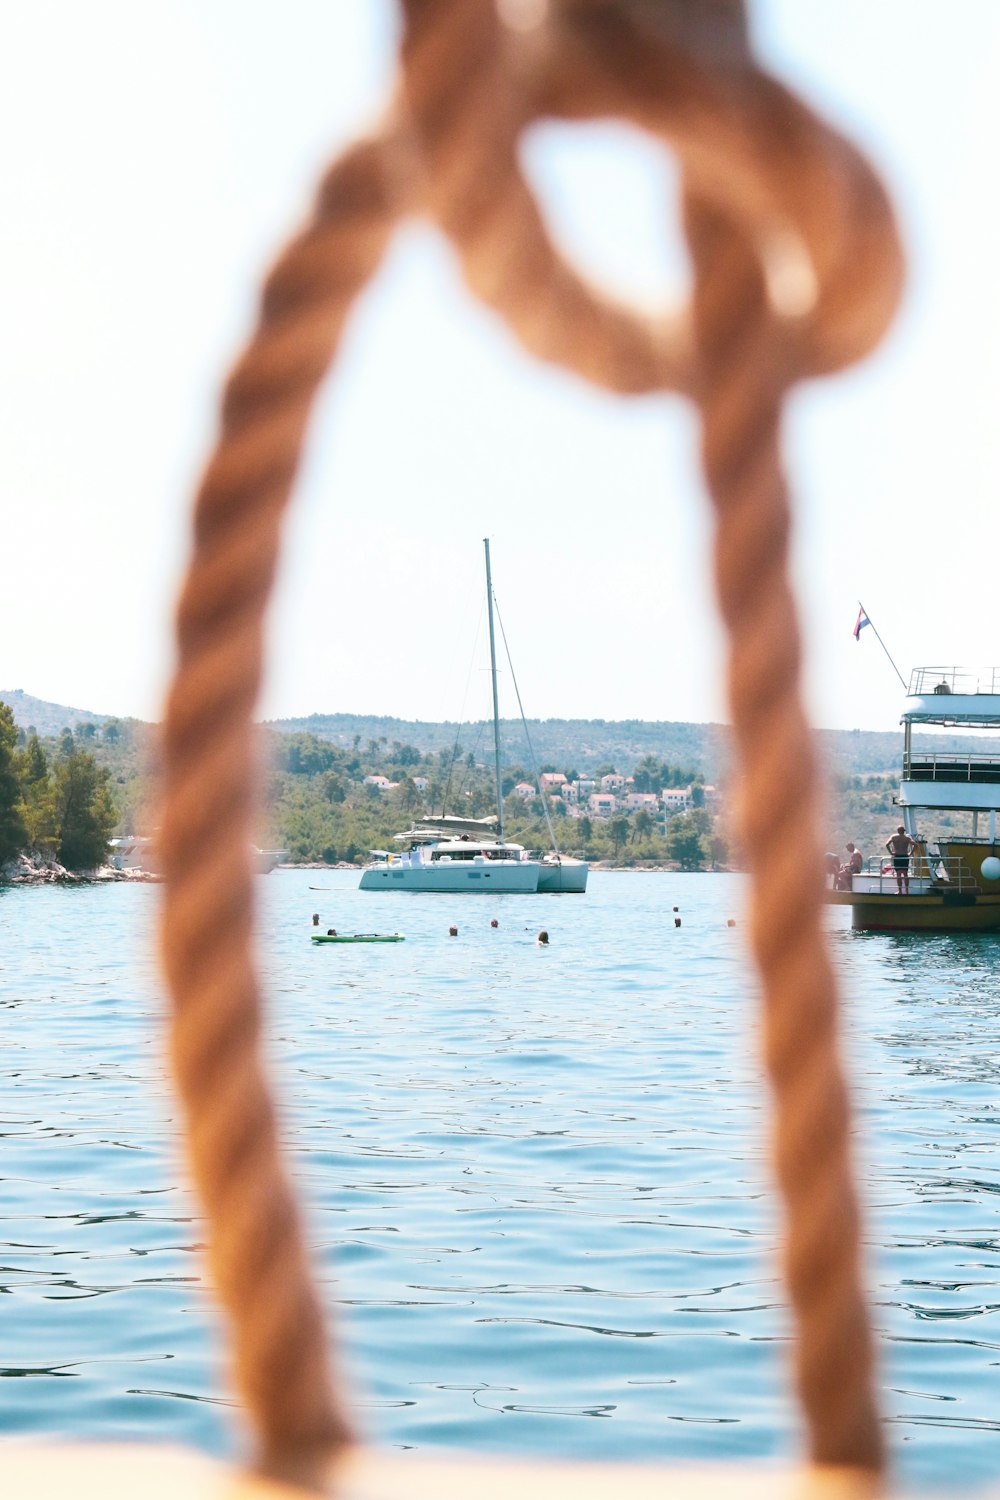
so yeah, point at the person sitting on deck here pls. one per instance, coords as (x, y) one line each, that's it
(853, 865)
(900, 846)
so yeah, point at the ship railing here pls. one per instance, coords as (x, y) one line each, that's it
(928, 873)
(951, 768)
(925, 681)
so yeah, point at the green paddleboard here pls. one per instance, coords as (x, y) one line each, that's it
(358, 937)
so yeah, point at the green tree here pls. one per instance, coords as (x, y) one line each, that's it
(38, 798)
(642, 825)
(618, 829)
(718, 850)
(84, 810)
(686, 840)
(407, 795)
(646, 774)
(586, 829)
(333, 787)
(13, 835)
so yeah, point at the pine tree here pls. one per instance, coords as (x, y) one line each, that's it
(84, 809)
(12, 831)
(38, 798)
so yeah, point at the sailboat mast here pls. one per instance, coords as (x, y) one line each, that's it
(496, 705)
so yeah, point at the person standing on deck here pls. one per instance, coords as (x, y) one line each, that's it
(901, 846)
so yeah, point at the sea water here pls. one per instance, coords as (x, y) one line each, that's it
(535, 1178)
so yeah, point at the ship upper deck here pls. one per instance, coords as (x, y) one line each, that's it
(954, 695)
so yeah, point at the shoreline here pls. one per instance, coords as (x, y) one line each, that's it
(26, 870)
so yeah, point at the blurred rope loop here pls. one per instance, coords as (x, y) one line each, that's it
(817, 217)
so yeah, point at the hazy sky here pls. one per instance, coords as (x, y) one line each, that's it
(156, 157)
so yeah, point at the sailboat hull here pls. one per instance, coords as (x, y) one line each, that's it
(491, 878)
(563, 876)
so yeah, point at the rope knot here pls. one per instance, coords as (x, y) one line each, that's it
(796, 271)
(818, 220)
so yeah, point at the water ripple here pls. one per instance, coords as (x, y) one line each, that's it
(537, 1183)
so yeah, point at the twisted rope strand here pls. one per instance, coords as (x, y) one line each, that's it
(468, 102)
(744, 374)
(761, 174)
(258, 1254)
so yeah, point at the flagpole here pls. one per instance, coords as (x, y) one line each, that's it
(883, 645)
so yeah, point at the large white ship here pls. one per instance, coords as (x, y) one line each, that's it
(947, 883)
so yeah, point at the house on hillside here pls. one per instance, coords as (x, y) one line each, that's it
(612, 782)
(381, 782)
(552, 781)
(602, 804)
(676, 798)
(524, 789)
(648, 800)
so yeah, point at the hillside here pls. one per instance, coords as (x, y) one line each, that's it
(589, 743)
(319, 805)
(46, 718)
(584, 743)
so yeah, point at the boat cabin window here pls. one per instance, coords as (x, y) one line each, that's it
(473, 851)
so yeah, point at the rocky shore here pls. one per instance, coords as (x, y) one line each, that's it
(29, 869)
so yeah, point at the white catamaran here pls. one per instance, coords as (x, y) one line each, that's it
(455, 855)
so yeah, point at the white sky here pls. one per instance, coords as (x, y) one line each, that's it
(156, 157)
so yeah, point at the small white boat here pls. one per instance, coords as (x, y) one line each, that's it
(137, 853)
(454, 865)
(266, 860)
(458, 855)
(436, 845)
(134, 854)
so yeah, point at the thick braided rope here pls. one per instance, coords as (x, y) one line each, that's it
(748, 145)
(257, 1252)
(744, 373)
(469, 107)
(468, 99)
(469, 92)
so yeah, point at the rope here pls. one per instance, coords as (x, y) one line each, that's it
(257, 1251)
(744, 381)
(469, 99)
(797, 272)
